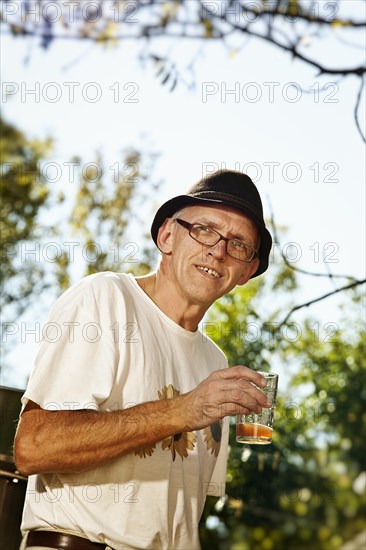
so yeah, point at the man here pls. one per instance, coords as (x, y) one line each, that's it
(123, 432)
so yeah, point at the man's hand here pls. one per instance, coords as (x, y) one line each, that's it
(225, 392)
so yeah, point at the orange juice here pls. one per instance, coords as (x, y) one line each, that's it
(253, 433)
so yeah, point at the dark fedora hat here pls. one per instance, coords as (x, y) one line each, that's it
(223, 187)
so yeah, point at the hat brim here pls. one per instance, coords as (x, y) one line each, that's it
(181, 201)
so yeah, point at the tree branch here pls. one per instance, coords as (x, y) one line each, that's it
(295, 53)
(308, 17)
(299, 269)
(198, 16)
(354, 283)
(356, 110)
(322, 297)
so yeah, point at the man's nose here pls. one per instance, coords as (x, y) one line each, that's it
(218, 250)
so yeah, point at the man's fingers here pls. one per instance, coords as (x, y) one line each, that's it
(225, 409)
(241, 372)
(225, 392)
(241, 391)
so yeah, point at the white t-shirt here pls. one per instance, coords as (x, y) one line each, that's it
(107, 346)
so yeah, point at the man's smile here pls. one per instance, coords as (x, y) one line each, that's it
(209, 271)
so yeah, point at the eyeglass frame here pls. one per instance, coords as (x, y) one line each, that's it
(188, 225)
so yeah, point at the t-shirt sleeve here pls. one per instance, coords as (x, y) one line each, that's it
(76, 363)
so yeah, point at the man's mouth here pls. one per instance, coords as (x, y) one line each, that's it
(209, 271)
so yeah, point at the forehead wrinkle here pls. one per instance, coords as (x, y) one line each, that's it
(217, 226)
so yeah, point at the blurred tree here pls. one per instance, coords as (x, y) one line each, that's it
(37, 256)
(24, 194)
(293, 26)
(103, 210)
(305, 491)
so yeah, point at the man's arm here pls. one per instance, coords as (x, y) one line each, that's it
(75, 441)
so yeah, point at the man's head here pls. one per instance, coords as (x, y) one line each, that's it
(223, 188)
(200, 273)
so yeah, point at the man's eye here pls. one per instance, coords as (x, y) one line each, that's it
(239, 245)
(203, 229)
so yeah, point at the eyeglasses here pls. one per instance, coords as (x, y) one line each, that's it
(209, 237)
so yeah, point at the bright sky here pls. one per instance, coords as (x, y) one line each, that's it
(302, 149)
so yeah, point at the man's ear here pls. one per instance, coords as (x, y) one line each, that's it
(165, 236)
(248, 273)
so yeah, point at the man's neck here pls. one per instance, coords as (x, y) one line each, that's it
(164, 294)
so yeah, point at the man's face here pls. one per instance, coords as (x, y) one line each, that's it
(202, 273)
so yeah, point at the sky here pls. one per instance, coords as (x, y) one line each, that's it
(256, 110)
